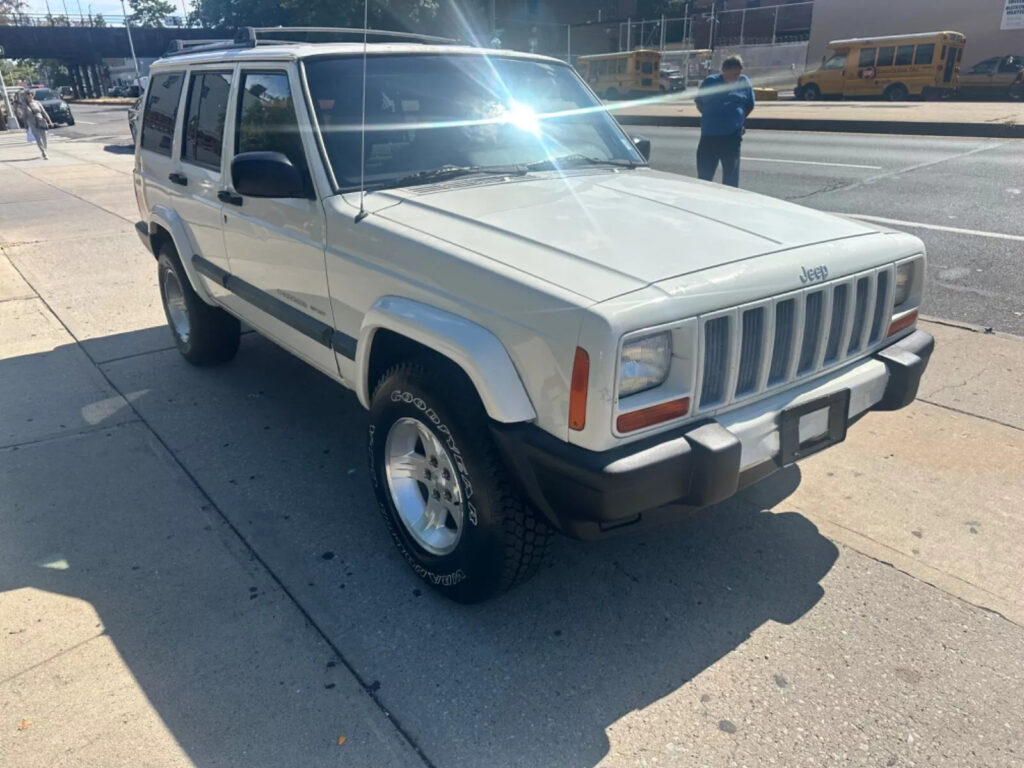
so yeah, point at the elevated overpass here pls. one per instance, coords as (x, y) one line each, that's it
(82, 47)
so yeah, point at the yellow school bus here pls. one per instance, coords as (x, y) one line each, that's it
(618, 75)
(894, 67)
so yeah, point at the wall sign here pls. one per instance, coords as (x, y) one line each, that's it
(1013, 15)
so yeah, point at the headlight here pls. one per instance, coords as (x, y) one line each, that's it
(904, 278)
(644, 363)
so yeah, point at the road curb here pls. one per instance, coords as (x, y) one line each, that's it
(911, 128)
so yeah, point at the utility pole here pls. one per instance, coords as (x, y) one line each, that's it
(131, 45)
(12, 119)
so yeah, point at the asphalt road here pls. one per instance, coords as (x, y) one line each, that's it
(953, 184)
(949, 185)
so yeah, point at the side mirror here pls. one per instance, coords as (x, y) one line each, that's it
(643, 146)
(266, 174)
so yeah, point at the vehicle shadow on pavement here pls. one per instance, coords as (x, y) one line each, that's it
(120, 149)
(537, 677)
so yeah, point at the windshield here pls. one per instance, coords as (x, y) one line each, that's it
(430, 112)
(44, 94)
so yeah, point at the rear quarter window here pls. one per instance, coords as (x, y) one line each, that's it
(161, 113)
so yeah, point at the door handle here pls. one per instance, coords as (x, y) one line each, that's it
(227, 196)
(179, 178)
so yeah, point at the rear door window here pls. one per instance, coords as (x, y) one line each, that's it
(161, 113)
(904, 56)
(925, 54)
(205, 115)
(886, 56)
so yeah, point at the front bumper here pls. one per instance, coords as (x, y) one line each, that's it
(587, 494)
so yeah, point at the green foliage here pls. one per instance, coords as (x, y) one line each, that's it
(386, 14)
(149, 13)
(98, 20)
(20, 71)
(10, 8)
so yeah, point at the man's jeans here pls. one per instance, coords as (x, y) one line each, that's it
(713, 150)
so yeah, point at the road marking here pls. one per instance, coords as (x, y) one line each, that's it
(813, 162)
(85, 122)
(935, 227)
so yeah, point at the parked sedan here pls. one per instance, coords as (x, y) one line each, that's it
(54, 105)
(1001, 77)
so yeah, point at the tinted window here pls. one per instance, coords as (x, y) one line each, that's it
(925, 54)
(205, 117)
(266, 117)
(905, 56)
(867, 57)
(648, 68)
(886, 56)
(1012, 65)
(161, 112)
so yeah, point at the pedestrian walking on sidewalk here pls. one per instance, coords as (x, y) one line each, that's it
(724, 101)
(38, 122)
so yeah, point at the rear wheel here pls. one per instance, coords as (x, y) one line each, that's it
(810, 92)
(896, 92)
(447, 500)
(204, 335)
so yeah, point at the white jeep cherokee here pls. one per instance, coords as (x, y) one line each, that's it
(548, 334)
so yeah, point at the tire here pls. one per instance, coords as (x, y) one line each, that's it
(896, 92)
(431, 454)
(71, 121)
(810, 92)
(204, 335)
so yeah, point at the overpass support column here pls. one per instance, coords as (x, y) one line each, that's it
(97, 80)
(76, 80)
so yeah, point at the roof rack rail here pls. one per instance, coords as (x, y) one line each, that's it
(252, 35)
(182, 47)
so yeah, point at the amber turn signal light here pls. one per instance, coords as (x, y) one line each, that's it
(656, 414)
(902, 323)
(578, 390)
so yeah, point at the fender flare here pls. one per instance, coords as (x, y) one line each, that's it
(169, 220)
(474, 349)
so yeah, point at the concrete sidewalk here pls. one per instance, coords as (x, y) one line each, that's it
(983, 119)
(192, 570)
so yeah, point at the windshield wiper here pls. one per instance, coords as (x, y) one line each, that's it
(453, 172)
(554, 163)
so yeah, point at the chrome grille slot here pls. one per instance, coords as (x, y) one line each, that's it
(751, 348)
(716, 361)
(881, 305)
(836, 327)
(772, 343)
(782, 346)
(860, 310)
(812, 331)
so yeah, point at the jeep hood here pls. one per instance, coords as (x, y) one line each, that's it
(602, 234)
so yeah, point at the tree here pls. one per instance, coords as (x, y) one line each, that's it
(149, 13)
(9, 9)
(98, 20)
(386, 14)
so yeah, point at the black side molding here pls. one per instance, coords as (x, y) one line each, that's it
(142, 230)
(315, 329)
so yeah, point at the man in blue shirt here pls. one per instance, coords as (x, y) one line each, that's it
(724, 101)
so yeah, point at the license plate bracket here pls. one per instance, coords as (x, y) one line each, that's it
(790, 447)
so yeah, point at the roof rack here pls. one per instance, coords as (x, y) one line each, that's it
(250, 37)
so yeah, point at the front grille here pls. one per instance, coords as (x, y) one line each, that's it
(793, 337)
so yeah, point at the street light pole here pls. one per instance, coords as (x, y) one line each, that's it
(131, 45)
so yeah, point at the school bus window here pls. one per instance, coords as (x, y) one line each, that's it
(925, 54)
(905, 56)
(886, 56)
(867, 57)
(622, 66)
(648, 68)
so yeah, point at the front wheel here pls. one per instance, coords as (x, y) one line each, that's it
(447, 500)
(810, 92)
(71, 121)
